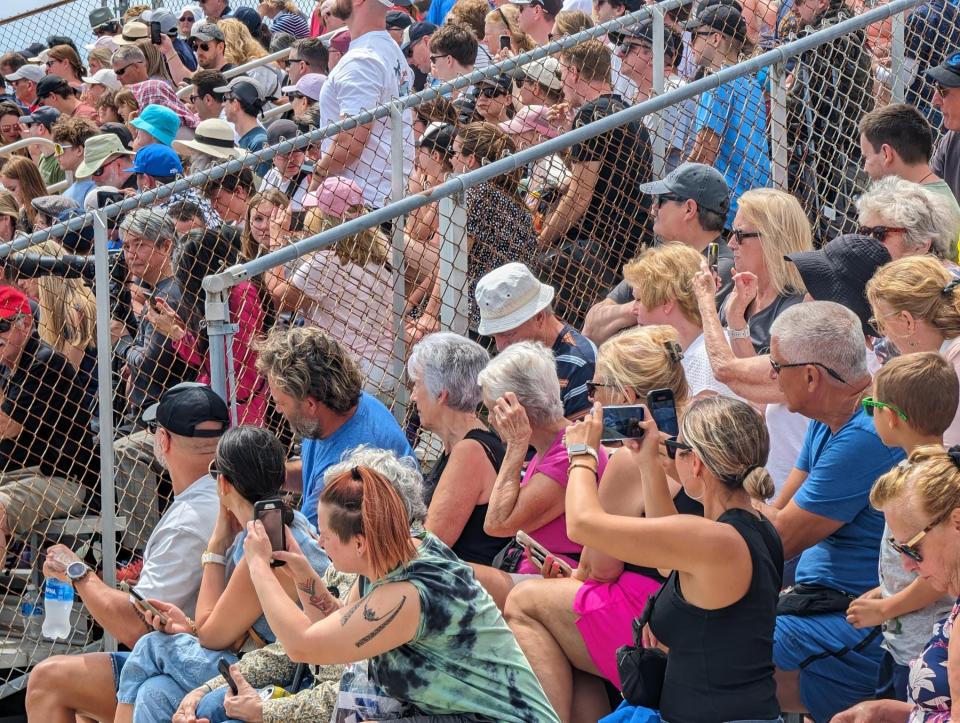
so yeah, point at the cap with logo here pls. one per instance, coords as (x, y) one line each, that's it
(245, 89)
(96, 150)
(551, 7)
(417, 32)
(398, 20)
(132, 32)
(184, 407)
(44, 115)
(13, 302)
(946, 74)
(156, 160)
(159, 121)
(27, 72)
(309, 85)
(508, 296)
(725, 19)
(167, 20)
(213, 137)
(694, 181)
(105, 77)
(206, 32)
(53, 84)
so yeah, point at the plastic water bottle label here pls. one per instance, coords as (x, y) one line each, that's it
(56, 590)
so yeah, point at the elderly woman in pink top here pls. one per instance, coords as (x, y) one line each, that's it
(346, 288)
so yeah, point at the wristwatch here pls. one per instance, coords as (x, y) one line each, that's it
(575, 450)
(743, 333)
(77, 570)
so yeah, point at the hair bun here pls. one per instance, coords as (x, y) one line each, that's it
(758, 483)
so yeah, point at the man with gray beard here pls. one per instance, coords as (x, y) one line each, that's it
(317, 387)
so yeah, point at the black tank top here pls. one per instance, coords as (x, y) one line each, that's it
(685, 505)
(473, 545)
(720, 665)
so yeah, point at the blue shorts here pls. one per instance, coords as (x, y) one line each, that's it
(117, 660)
(838, 663)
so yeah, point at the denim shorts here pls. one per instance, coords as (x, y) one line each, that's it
(117, 660)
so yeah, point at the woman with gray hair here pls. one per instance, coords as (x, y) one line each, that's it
(443, 368)
(908, 219)
(522, 393)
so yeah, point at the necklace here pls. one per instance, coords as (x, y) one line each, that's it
(926, 177)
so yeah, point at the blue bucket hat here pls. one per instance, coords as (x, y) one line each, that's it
(159, 121)
(156, 160)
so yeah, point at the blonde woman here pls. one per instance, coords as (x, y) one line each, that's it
(285, 17)
(769, 224)
(571, 626)
(99, 58)
(504, 21)
(346, 290)
(241, 47)
(156, 65)
(570, 22)
(916, 305)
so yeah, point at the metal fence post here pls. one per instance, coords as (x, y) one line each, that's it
(454, 300)
(659, 141)
(220, 333)
(780, 150)
(898, 67)
(108, 508)
(398, 191)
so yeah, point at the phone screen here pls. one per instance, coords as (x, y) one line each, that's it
(713, 255)
(155, 33)
(504, 42)
(622, 422)
(664, 411)
(270, 513)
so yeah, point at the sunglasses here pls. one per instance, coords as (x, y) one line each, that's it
(592, 388)
(290, 61)
(186, 19)
(739, 234)
(673, 446)
(103, 167)
(667, 198)
(493, 92)
(879, 232)
(869, 404)
(7, 324)
(778, 367)
(121, 71)
(51, 63)
(60, 148)
(295, 95)
(200, 46)
(909, 548)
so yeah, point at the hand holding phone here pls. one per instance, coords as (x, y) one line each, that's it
(155, 33)
(145, 605)
(271, 514)
(539, 554)
(505, 43)
(621, 422)
(224, 667)
(713, 256)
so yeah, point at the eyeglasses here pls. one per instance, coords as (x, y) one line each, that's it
(879, 232)
(434, 58)
(59, 148)
(213, 470)
(10, 129)
(228, 97)
(778, 367)
(674, 446)
(877, 324)
(7, 324)
(739, 234)
(193, 97)
(103, 166)
(869, 404)
(666, 198)
(121, 71)
(592, 388)
(909, 548)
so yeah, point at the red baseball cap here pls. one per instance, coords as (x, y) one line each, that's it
(12, 302)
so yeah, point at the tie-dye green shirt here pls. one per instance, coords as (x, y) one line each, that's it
(463, 658)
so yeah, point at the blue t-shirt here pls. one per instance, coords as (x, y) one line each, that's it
(79, 189)
(736, 112)
(253, 140)
(371, 425)
(438, 11)
(576, 358)
(841, 469)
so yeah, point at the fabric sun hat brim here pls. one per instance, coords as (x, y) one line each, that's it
(533, 306)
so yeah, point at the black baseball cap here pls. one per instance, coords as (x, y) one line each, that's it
(415, 32)
(947, 73)
(44, 114)
(52, 84)
(723, 18)
(398, 20)
(184, 406)
(697, 182)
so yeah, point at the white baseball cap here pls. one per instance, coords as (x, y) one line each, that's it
(105, 77)
(508, 296)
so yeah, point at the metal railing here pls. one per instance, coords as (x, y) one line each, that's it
(26, 142)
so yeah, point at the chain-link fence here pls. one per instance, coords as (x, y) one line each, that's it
(536, 158)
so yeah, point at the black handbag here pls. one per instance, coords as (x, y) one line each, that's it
(642, 670)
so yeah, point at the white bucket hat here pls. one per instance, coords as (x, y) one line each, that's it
(508, 296)
(213, 137)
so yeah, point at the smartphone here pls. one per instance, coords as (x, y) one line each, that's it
(713, 255)
(224, 667)
(505, 42)
(539, 553)
(270, 513)
(622, 422)
(663, 409)
(144, 604)
(155, 33)
(152, 299)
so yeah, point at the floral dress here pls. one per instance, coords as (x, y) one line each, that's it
(929, 689)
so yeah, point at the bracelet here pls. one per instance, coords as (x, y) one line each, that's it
(743, 333)
(193, 626)
(212, 558)
(576, 465)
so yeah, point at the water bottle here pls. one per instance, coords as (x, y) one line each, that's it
(31, 613)
(57, 603)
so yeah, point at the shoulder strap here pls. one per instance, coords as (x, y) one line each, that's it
(482, 437)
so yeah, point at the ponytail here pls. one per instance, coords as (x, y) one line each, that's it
(364, 503)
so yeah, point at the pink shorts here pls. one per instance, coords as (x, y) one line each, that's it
(606, 611)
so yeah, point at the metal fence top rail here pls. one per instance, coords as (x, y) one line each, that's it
(301, 141)
(218, 283)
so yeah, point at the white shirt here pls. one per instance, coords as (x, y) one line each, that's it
(371, 73)
(622, 85)
(787, 431)
(273, 179)
(699, 373)
(171, 560)
(584, 6)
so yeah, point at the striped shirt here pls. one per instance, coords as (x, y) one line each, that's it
(576, 357)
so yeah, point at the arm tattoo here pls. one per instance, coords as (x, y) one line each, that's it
(349, 614)
(146, 626)
(324, 603)
(387, 618)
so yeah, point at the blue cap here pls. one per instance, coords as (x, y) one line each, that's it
(156, 160)
(44, 114)
(159, 121)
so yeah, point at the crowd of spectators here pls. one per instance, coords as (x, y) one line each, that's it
(788, 543)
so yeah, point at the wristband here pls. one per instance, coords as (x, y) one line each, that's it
(212, 558)
(743, 333)
(577, 465)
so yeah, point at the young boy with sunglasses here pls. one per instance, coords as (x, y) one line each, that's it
(913, 403)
